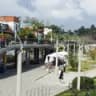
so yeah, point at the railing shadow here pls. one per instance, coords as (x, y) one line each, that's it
(13, 71)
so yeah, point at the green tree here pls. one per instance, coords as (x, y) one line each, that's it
(93, 31)
(56, 28)
(81, 30)
(34, 23)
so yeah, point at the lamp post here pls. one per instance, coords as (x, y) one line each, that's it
(19, 71)
(56, 66)
(19, 67)
(79, 66)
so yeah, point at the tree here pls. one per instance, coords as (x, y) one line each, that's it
(81, 30)
(34, 23)
(25, 32)
(70, 32)
(55, 28)
(93, 31)
(93, 27)
(32, 27)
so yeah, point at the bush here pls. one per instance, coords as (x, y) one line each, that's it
(85, 83)
(92, 54)
(61, 48)
(73, 61)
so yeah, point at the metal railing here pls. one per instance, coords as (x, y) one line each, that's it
(9, 42)
(38, 91)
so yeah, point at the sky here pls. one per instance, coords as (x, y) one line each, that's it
(69, 14)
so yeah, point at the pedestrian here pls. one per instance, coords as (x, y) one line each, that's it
(64, 66)
(61, 75)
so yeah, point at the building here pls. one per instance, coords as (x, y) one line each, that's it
(10, 23)
(47, 30)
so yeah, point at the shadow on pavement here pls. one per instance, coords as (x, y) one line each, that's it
(13, 71)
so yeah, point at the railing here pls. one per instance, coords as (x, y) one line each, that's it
(9, 42)
(38, 91)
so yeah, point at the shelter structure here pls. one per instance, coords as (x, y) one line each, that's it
(62, 58)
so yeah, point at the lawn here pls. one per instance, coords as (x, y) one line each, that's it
(85, 65)
(91, 92)
(78, 93)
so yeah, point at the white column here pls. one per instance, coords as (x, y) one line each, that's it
(15, 34)
(68, 52)
(56, 66)
(19, 73)
(79, 67)
(51, 36)
(74, 49)
(68, 47)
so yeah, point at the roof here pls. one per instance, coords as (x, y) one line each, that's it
(61, 55)
(9, 18)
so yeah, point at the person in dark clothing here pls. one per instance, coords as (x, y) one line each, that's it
(61, 75)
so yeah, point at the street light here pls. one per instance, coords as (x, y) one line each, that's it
(79, 66)
(19, 67)
(56, 66)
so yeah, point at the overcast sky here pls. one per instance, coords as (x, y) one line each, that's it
(70, 14)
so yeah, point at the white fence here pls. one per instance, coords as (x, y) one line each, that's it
(38, 91)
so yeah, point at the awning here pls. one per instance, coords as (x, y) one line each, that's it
(50, 57)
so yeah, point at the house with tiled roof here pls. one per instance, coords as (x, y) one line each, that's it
(9, 24)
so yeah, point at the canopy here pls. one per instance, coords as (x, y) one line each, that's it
(61, 55)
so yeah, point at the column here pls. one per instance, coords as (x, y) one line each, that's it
(79, 66)
(16, 53)
(74, 49)
(4, 62)
(27, 57)
(36, 55)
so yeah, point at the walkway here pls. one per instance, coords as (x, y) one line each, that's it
(38, 82)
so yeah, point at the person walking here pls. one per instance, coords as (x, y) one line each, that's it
(61, 75)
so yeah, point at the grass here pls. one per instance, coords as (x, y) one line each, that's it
(85, 65)
(78, 93)
(70, 92)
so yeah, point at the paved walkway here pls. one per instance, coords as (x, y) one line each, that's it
(38, 82)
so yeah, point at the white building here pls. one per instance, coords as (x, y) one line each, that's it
(11, 21)
(47, 30)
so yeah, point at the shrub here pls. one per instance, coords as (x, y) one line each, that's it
(85, 83)
(61, 48)
(92, 54)
(73, 61)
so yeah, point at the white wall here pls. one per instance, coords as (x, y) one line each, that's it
(47, 30)
(12, 25)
